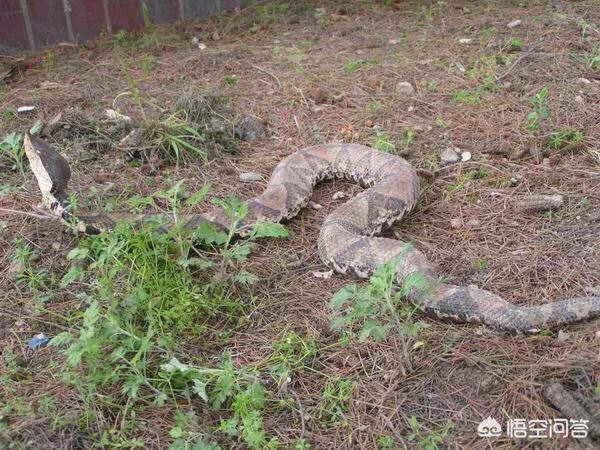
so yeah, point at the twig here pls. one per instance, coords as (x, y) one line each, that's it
(25, 213)
(268, 73)
(301, 412)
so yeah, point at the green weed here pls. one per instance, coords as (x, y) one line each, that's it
(593, 60)
(541, 110)
(428, 12)
(383, 142)
(11, 147)
(230, 80)
(334, 399)
(375, 309)
(353, 65)
(466, 97)
(148, 63)
(151, 287)
(560, 139)
(428, 441)
(290, 355)
(174, 138)
(513, 44)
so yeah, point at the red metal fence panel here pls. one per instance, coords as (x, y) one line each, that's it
(35, 24)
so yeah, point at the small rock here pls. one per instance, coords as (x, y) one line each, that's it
(56, 246)
(465, 40)
(314, 205)
(52, 125)
(579, 99)
(294, 261)
(583, 81)
(249, 128)
(339, 195)
(472, 223)
(404, 88)
(250, 177)
(515, 23)
(513, 182)
(535, 203)
(320, 12)
(456, 222)
(325, 274)
(202, 46)
(38, 341)
(465, 156)
(562, 337)
(15, 268)
(449, 156)
(116, 116)
(393, 41)
(592, 290)
(537, 154)
(25, 109)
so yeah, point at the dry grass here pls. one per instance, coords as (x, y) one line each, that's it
(294, 72)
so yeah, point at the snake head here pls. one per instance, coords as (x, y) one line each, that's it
(50, 168)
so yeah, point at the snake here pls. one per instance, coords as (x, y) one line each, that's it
(348, 240)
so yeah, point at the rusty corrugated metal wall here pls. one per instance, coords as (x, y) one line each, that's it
(36, 24)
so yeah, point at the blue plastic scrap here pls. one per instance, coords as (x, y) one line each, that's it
(38, 341)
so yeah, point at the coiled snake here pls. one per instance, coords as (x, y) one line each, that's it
(347, 240)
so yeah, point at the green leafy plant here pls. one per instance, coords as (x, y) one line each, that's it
(12, 148)
(561, 139)
(428, 441)
(513, 44)
(175, 137)
(541, 110)
(334, 398)
(290, 354)
(383, 142)
(230, 80)
(593, 59)
(153, 285)
(466, 97)
(375, 309)
(148, 63)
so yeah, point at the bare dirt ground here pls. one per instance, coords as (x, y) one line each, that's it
(316, 76)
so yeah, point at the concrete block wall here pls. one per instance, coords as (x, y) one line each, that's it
(31, 25)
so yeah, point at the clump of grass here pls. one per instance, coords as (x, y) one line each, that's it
(513, 44)
(466, 97)
(593, 59)
(11, 148)
(563, 138)
(174, 138)
(540, 112)
(152, 288)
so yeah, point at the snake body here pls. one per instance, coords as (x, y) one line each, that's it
(347, 240)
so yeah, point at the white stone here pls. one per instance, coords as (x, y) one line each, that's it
(465, 156)
(339, 195)
(250, 177)
(314, 205)
(405, 88)
(465, 40)
(325, 274)
(514, 23)
(449, 156)
(24, 109)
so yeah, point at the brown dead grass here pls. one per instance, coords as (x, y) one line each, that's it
(292, 74)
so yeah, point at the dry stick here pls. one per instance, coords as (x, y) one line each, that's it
(268, 73)
(301, 412)
(25, 213)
